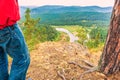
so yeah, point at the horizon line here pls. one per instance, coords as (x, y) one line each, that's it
(64, 5)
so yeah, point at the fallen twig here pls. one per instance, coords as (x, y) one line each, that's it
(61, 75)
(88, 63)
(81, 66)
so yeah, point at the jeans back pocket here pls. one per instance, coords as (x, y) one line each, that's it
(4, 35)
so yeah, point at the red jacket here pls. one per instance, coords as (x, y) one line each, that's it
(9, 13)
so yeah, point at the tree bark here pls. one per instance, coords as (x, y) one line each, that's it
(110, 59)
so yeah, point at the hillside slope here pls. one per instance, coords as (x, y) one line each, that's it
(50, 57)
(71, 15)
(64, 9)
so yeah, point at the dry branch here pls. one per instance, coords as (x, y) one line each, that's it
(61, 74)
(81, 66)
(88, 63)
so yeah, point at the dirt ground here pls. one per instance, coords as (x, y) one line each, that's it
(50, 61)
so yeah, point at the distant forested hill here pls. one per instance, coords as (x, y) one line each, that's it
(64, 9)
(72, 15)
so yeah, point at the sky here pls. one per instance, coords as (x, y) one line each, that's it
(102, 3)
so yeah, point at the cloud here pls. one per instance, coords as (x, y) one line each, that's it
(67, 2)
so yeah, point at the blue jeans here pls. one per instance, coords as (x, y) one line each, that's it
(12, 43)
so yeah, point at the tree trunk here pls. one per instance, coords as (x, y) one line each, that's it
(110, 59)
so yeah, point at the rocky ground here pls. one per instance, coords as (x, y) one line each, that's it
(51, 61)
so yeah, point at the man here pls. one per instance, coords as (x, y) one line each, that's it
(12, 43)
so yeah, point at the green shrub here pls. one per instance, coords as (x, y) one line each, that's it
(35, 33)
